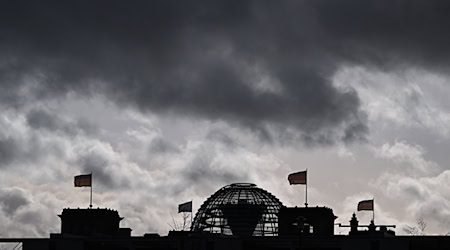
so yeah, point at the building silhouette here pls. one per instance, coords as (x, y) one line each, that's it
(240, 209)
(92, 223)
(318, 221)
(238, 216)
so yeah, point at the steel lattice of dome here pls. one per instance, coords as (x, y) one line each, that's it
(240, 209)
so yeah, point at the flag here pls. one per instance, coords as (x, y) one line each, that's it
(84, 180)
(297, 178)
(365, 205)
(185, 207)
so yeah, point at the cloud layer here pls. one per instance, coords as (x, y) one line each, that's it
(248, 64)
(157, 98)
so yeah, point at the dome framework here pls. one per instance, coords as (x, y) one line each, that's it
(239, 209)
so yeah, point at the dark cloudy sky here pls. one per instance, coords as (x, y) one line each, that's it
(167, 101)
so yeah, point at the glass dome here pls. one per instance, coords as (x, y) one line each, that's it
(241, 209)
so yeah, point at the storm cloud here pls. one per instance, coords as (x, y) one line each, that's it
(249, 64)
(257, 64)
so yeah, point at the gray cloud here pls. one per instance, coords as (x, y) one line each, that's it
(11, 199)
(8, 151)
(161, 146)
(220, 136)
(205, 59)
(209, 59)
(14, 149)
(205, 174)
(20, 146)
(200, 169)
(31, 218)
(419, 196)
(388, 33)
(50, 121)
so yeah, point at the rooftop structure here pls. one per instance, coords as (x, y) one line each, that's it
(306, 220)
(240, 209)
(92, 222)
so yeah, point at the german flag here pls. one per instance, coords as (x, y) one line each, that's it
(366, 205)
(84, 180)
(297, 178)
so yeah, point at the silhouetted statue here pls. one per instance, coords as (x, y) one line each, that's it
(354, 224)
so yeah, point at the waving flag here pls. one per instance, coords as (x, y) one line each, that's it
(365, 205)
(185, 207)
(297, 178)
(84, 180)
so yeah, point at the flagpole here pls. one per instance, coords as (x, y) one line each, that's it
(373, 210)
(90, 205)
(306, 189)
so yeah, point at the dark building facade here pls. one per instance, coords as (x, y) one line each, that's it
(92, 223)
(318, 221)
